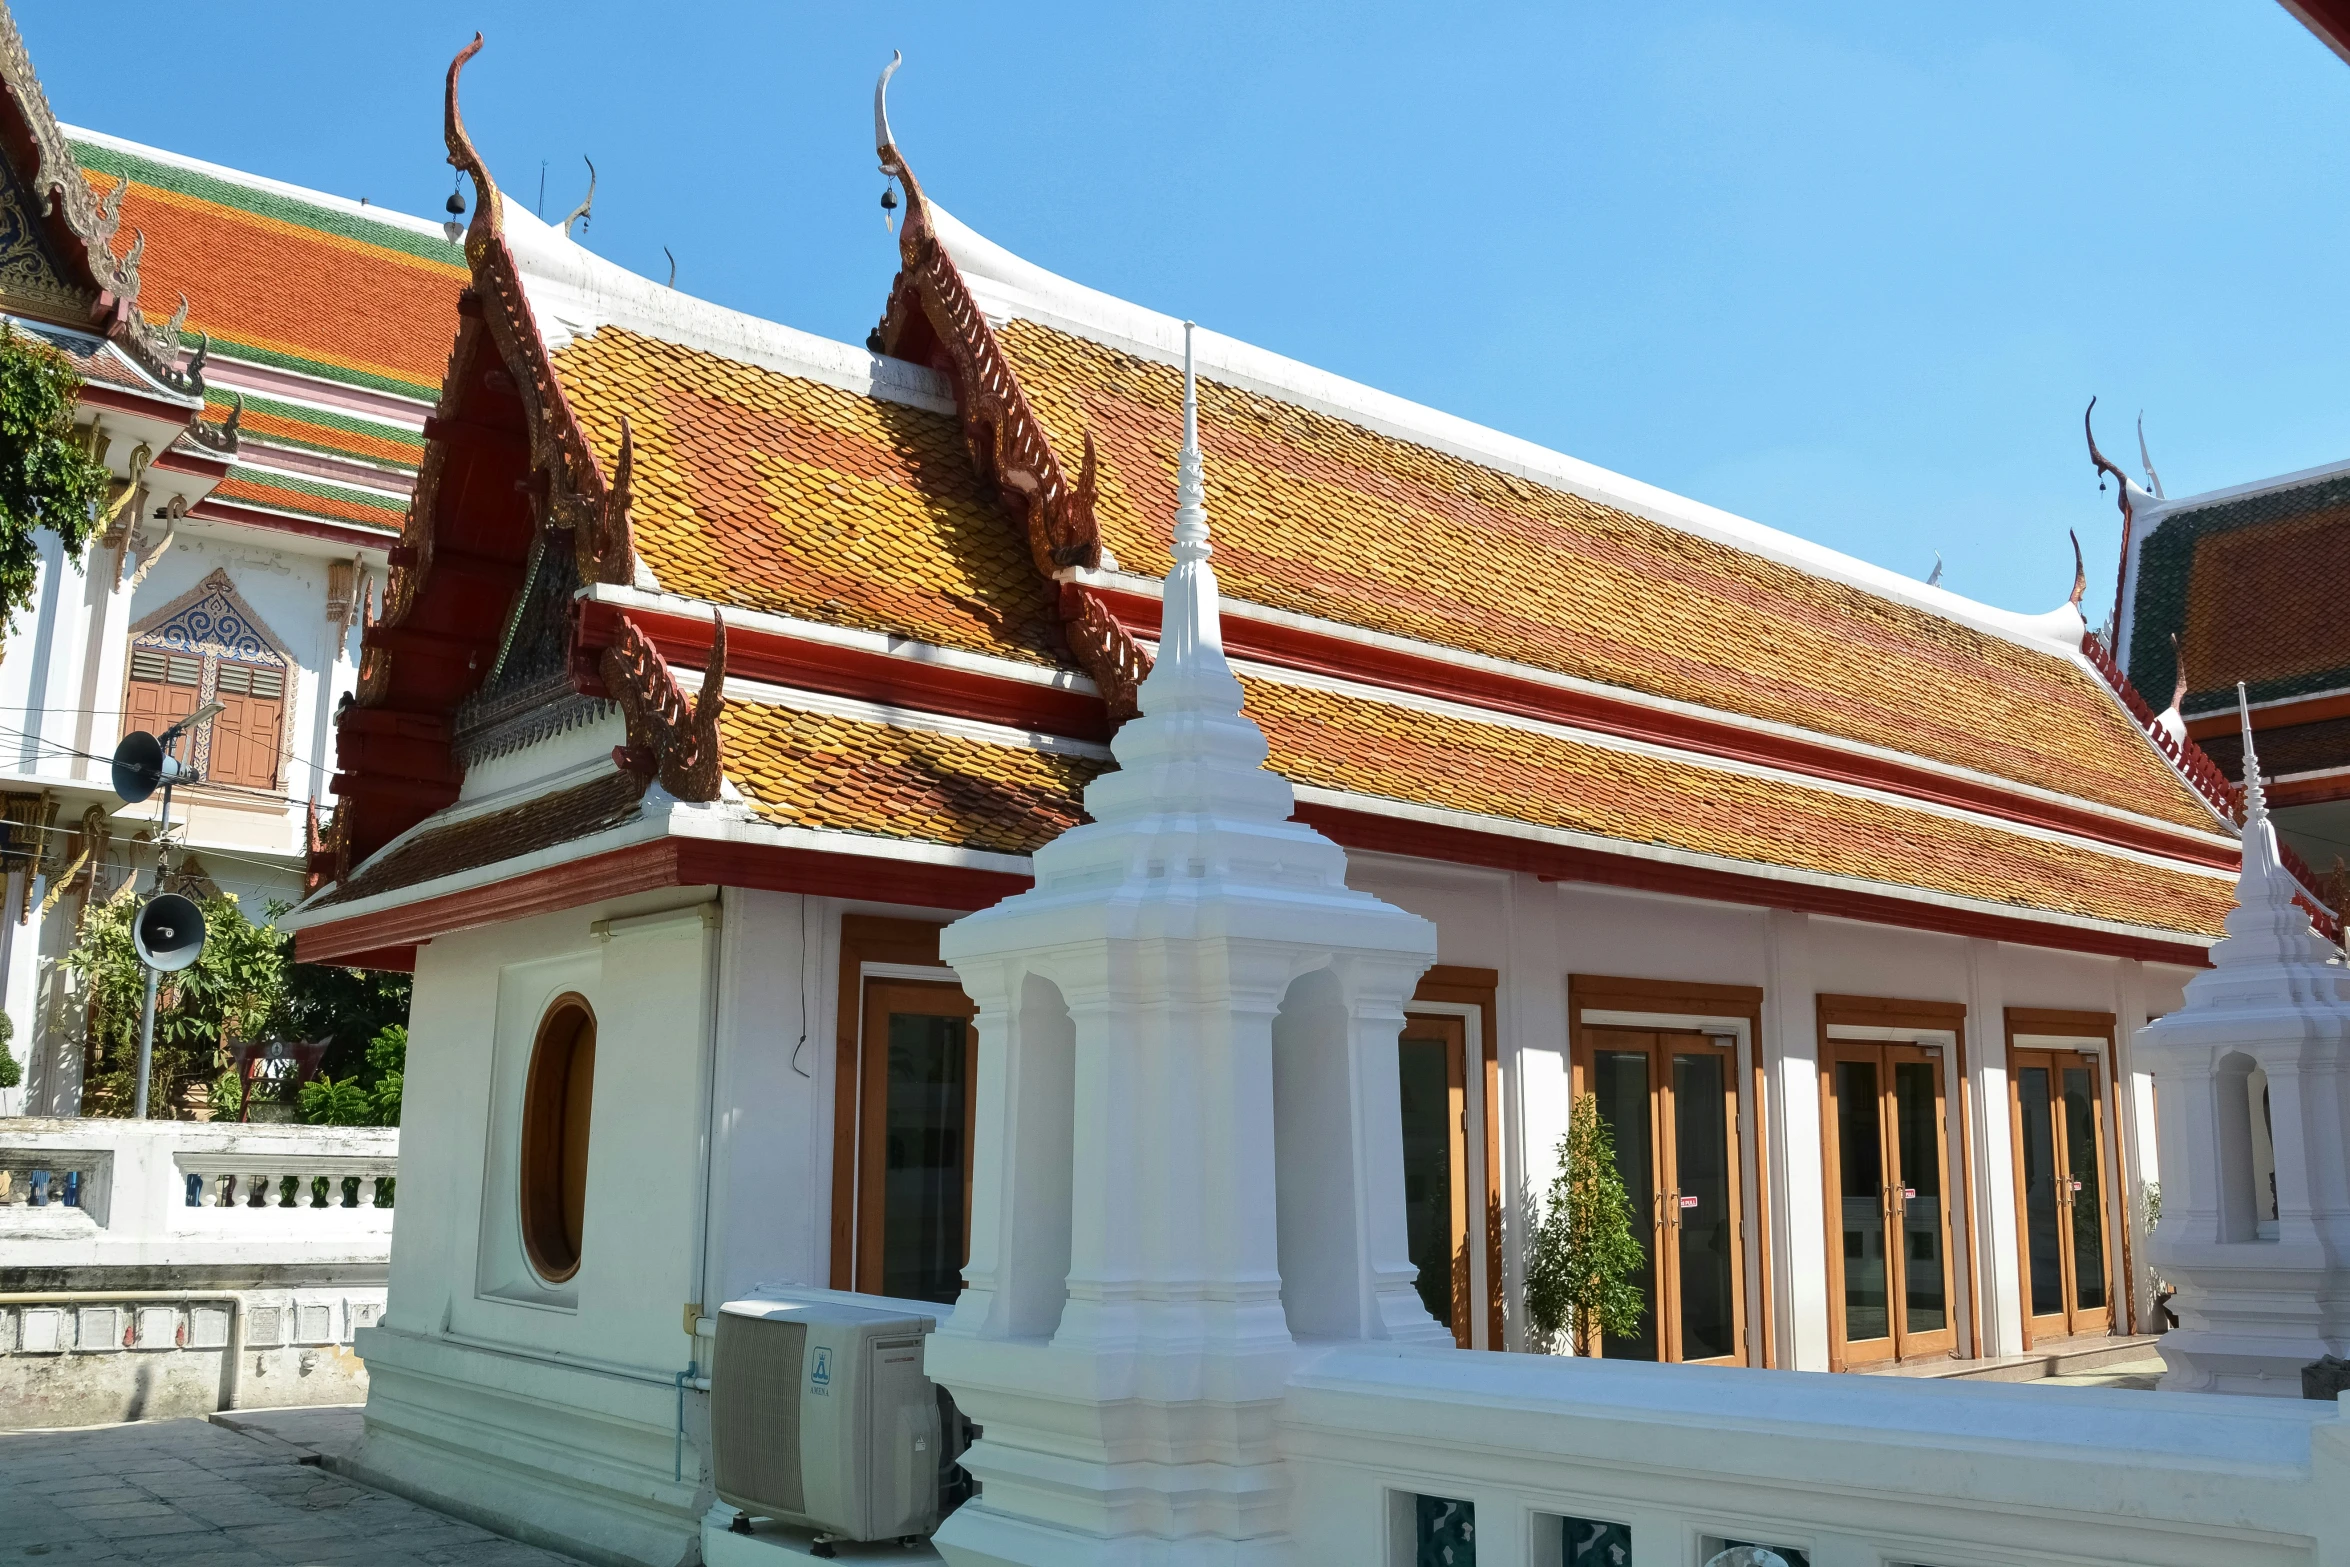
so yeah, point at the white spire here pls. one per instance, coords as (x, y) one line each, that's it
(1191, 634)
(1192, 755)
(2271, 955)
(2255, 796)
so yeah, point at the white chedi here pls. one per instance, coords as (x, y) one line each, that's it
(2260, 1044)
(1189, 1152)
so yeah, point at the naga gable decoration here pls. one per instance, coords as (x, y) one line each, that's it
(669, 739)
(933, 318)
(607, 545)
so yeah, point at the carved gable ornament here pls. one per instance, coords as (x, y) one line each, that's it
(29, 275)
(211, 617)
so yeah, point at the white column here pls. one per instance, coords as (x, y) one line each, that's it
(1999, 1284)
(1535, 1032)
(1791, 1067)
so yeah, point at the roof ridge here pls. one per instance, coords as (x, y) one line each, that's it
(1009, 284)
(341, 206)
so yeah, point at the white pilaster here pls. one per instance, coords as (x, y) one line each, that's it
(1999, 1280)
(1791, 1067)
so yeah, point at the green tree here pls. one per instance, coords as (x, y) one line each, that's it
(349, 1008)
(11, 1069)
(230, 993)
(47, 480)
(369, 1097)
(1584, 1263)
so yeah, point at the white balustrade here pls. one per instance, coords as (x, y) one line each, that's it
(190, 1193)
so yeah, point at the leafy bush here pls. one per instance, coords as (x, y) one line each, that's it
(46, 479)
(11, 1070)
(1584, 1259)
(328, 1101)
(370, 1098)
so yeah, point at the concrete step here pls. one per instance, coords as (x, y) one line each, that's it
(2053, 1358)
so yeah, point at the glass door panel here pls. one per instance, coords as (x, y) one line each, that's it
(1671, 1104)
(1622, 1080)
(2084, 1191)
(2043, 1250)
(2061, 1182)
(1433, 1077)
(1860, 1190)
(914, 1144)
(1702, 1217)
(1924, 1252)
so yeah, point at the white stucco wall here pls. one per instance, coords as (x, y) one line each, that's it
(61, 692)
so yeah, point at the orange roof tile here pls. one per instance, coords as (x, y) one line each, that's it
(286, 283)
(1326, 518)
(1344, 741)
(817, 770)
(807, 769)
(763, 489)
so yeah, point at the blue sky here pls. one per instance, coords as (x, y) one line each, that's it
(1850, 269)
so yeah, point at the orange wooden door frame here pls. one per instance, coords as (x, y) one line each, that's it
(883, 1000)
(2040, 1022)
(1690, 999)
(1935, 1017)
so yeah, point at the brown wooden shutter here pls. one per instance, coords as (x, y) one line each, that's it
(162, 689)
(246, 735)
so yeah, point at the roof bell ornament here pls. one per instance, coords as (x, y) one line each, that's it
(889, 205)
(455, 227)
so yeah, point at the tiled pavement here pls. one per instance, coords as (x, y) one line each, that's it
(193, 1494)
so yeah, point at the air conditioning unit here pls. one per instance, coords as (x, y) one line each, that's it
(821, 1418)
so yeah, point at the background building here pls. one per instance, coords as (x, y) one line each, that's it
(264, 440)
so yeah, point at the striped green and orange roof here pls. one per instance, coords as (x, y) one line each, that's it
(284, 282)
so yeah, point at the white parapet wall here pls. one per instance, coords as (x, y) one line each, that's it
(1838, 1471)
(172, 1267)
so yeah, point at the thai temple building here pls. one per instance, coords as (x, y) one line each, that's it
(258, 362)
(721, 667)
(2237, 586)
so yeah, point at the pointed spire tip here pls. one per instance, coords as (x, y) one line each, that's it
(2255, 796)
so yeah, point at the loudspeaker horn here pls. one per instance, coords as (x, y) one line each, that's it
(138, 766)
(169, 933)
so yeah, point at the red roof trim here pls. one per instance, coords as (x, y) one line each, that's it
(807, 664)
(644, 867)
(685, 862)
(145, 405)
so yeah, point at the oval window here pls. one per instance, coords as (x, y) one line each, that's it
(555, 1104)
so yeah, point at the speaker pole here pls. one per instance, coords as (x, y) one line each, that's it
(147, 1012)
(146, 1046)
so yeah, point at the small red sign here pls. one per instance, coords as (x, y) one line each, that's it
(1688, 1202)
(1908, 1192)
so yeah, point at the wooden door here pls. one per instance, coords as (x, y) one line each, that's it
(1886, 1156)
(917, 1070)
(2063, 1170)
(1670, 1098)
(1433, 1076)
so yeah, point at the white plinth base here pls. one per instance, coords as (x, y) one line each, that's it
(2202, 1361)
(771, 1544)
